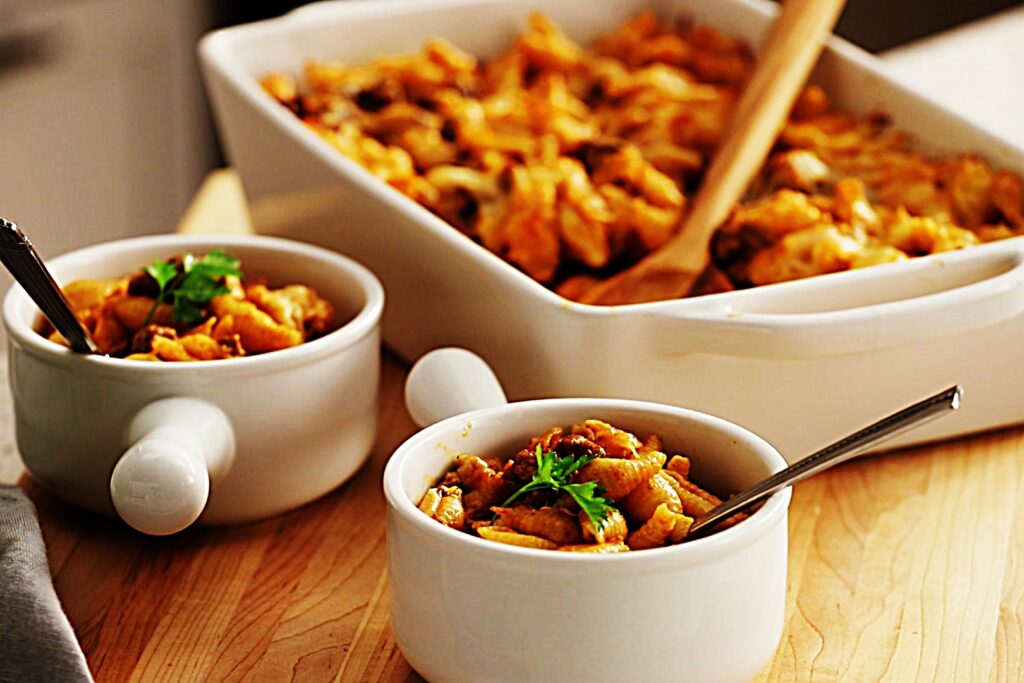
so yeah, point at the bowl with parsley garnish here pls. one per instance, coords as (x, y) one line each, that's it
(236, 377)
(543, 540)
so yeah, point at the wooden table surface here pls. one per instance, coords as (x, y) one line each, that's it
(908, 566)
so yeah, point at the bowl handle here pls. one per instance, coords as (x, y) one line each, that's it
(177, 448)
(450, 381)
(859, 311)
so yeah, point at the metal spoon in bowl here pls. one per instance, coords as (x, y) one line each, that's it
(840, 451)
(20, 258)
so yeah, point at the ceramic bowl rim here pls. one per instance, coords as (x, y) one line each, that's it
(364, 322)
(691, 553)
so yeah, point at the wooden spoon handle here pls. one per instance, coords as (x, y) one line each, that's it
(783, 65)
(784, 62)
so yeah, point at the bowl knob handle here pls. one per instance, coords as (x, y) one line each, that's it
(450, 381)
(178, 447)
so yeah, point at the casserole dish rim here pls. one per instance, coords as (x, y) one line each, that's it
(215, 50)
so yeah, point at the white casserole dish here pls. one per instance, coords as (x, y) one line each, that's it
(796, 363)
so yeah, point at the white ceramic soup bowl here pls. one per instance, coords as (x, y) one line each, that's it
(466, 609)
(163, 444)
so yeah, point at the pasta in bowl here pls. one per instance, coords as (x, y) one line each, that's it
(194, 308)
(674, 611)
(590, 488)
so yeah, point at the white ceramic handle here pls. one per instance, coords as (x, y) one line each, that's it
(864, 312)
(448, 382)
(177, 448)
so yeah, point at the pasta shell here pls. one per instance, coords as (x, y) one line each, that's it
(597, 548)
(655, 530)
(619, 476)
(680, 465)
(132, 311)
(612, 529)
(695, 500)
(509, 537)
(653, 492)
(258, 330)
(444, 503)
(485, 487)
(617, 443)
(557, 526)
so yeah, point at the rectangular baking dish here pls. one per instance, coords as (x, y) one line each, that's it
(799, 363)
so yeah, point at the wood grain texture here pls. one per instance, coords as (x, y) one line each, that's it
(907, 567)
(903, 567)
(298, 597)
(218, 207)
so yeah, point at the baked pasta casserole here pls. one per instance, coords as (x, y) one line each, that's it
(573, 163)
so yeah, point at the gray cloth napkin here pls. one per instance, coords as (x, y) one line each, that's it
(36, 640)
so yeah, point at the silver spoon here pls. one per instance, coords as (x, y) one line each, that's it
(840, 451)
(20, 258)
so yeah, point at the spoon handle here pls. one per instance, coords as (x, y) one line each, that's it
(840, 451)
(21, 259)
(783, 64)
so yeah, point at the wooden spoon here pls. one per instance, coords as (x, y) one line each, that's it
(784, 63)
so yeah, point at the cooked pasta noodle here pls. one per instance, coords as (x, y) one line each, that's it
(574, 163)
(645, 504)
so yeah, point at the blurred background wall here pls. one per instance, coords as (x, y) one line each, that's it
(878, 25)
(104, 129)
(103, 125)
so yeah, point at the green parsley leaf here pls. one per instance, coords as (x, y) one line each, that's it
(188, 286)
(186, 312)
(554, 472)
(199, 288)
(588, 496)
(216, 264)
(161, 271)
